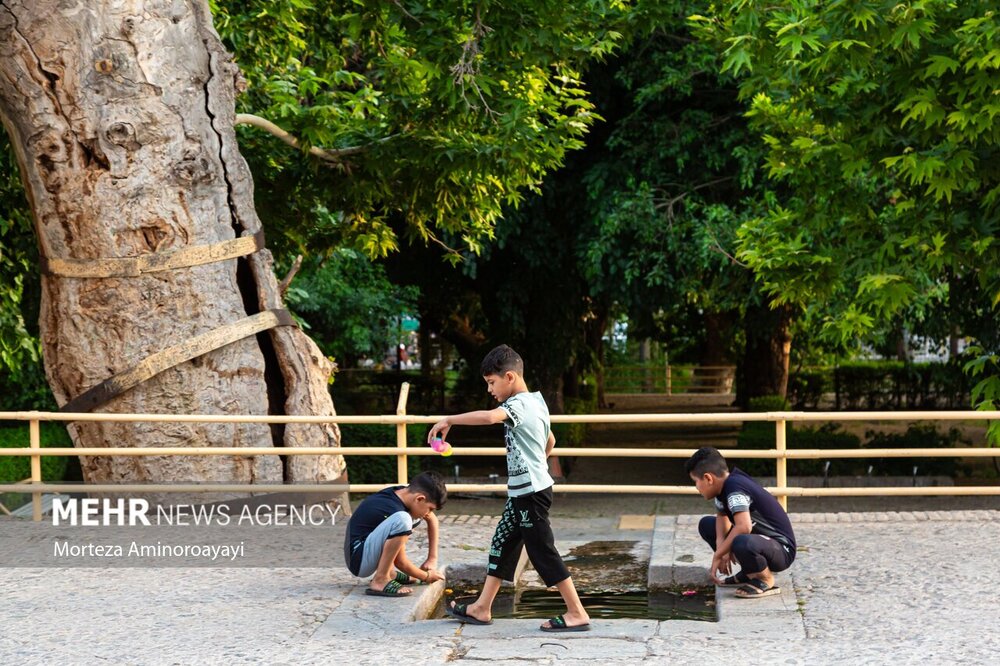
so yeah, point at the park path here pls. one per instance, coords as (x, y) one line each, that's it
(869, 588)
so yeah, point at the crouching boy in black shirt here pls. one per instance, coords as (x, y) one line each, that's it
(380, 527)
(750, 528)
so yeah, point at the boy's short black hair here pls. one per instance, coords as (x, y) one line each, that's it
(706, 460)
(500, 360)
(430, 484)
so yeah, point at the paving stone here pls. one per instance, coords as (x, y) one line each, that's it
(557, 646)
(634, 522)
(875, 589)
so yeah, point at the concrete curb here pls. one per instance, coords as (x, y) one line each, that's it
(677, 558)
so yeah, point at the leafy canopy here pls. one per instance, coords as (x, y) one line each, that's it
(438, 114)
(443, 111)
(878, 121)
(877, 118)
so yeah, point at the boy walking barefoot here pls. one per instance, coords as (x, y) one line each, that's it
(525, 518)
(750, 528)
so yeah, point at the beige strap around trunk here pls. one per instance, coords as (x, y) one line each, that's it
(156, 363)
(194, 255)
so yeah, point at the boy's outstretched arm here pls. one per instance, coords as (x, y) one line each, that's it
(481, 417)
(432, 542)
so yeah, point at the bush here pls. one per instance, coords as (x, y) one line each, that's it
(26, 392)
(888, 384)
(827, 436)
(882, 385)
(806, 388)
(758, 435)
(17, 468)
(767, 403)
(917, 436)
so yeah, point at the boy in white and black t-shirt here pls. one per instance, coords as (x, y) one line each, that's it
(525, 519)
(750, 528)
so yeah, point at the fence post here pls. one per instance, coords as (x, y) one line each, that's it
(781, 476)
(668, 379)
(34, 435)
(402, 477)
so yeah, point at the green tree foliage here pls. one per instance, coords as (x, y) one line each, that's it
(669, 187)
(348, 305)
(985, 369)
(438, 113)
(877, 117)
(434, 115)
(642, 220)
(676, 177)
(19, 347)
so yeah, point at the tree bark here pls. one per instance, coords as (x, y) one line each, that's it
(716, 348)
(764, 370)
(121, 115)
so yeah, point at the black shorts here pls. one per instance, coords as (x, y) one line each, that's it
(754, 552)
(525, 521)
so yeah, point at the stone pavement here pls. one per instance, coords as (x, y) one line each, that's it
(878, 588)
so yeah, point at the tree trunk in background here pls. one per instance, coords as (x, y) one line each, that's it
(715, 350)
(764, 370)
(121, 114)
(593, 334)
(645, 350)
(645, 354)
(902, 354)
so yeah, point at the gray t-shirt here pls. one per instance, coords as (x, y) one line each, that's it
(526, 432)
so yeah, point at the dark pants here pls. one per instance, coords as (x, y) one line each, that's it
(754, 552)
(525, 521)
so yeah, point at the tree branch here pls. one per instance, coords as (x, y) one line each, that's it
(322, 153)
(283, 287)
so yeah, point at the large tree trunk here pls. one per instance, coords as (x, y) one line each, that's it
(121, 114)
(764, 370)
(717, 331)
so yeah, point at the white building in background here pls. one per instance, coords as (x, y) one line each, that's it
(923, 350)
(928, 351)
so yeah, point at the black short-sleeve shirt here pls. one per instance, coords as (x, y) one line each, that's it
(741, 493)
(370, 514)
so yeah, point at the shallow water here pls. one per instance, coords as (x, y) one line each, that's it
(609, 566)
(610, 577)
(688, 604)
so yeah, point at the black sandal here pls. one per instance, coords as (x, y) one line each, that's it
(558, 624)
(403, 579)
(735, 581)
(391, 589)
(461, 612)
(755, 589)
